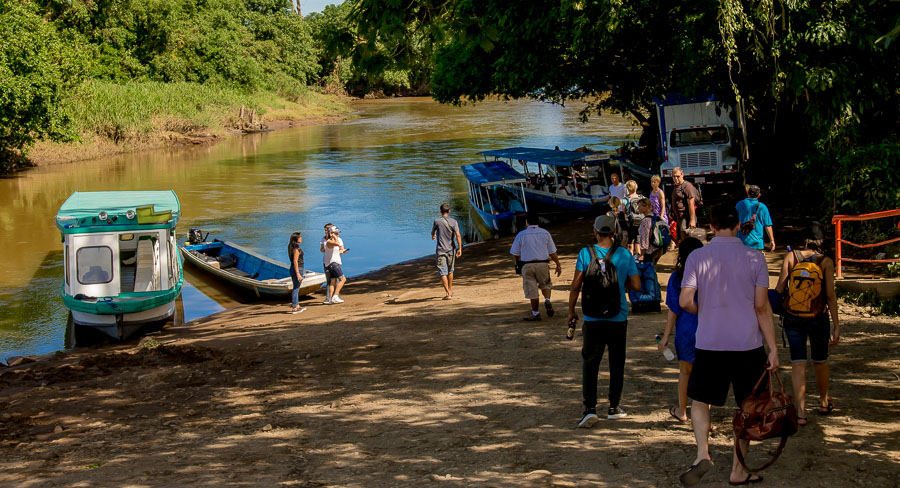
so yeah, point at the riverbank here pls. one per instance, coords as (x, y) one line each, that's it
(398, 387)
(116, 118)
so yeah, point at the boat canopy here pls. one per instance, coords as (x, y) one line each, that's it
(82, 209)
(544, 156)
(491, 173)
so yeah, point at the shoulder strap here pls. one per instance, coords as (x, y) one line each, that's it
(740, 455)
(612, 250)
(797, 258)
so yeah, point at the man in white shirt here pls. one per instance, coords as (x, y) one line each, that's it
(617, 188)
(533, 249)
(333, 248)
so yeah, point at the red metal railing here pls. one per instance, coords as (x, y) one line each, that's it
(837, 219)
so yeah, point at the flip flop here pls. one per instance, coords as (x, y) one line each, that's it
(802, 421)
(825, 409)
(693, 475)
(672, 410)
(747, 481)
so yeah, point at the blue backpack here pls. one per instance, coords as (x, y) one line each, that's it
(660, 236)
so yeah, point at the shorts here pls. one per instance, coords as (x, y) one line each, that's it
(335, 270)
(633, 234)
(328, 276)
(715, 371)
(817, 329)
(446, 263)
(535, 277)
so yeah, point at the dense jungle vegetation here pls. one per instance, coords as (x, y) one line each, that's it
(124, 69)
(818, 78)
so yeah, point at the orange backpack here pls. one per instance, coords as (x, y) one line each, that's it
(805, 290)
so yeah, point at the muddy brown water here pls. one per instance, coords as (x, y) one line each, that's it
(379, 176)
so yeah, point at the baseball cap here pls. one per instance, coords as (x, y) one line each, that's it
(605, 224)
(335, 229)
(753, 191)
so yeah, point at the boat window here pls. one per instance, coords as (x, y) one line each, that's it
(126, 237)
(95, 265)
(173, 266)
(66, 268)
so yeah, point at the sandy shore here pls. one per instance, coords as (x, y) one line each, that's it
(399, 388)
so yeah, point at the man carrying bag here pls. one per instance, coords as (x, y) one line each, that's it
(730, 282)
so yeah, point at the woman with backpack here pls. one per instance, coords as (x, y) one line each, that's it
(685, 325)
(807, 284)
(615, 205)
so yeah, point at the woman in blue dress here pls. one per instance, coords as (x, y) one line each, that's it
(685, 325)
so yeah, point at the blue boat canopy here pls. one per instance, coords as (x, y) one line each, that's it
(491, 173)
(544, 156)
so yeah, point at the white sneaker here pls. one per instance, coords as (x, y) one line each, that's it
(301, 309)
(327, 301)
(588, 421)
(336, 299)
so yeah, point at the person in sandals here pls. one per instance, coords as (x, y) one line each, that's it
(815, 327)
(731, 284)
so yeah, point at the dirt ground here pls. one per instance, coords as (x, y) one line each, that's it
(399, 388)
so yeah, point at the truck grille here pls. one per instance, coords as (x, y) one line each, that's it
(699, 160)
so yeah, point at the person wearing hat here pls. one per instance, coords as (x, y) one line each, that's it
(601, 333)
(334, 248)
(752, 210)
(816, 329)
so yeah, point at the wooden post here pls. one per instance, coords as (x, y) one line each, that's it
(837, 247)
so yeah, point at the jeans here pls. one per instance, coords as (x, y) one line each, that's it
(295, 292)
(598, 335)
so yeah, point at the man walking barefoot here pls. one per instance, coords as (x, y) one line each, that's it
(533, 249)
(599, 333)
(449, 247)
(730, 282)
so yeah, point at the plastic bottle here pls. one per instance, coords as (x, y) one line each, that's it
(570, 334)
(667, 353)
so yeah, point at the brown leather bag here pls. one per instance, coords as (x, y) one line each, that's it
(765, 415)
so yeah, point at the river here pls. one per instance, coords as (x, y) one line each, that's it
(380, 177)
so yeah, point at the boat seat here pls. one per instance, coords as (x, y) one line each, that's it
(237, 272)
(146, 274)
(598, 191)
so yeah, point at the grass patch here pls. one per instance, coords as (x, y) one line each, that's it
(869, 298)
(122, 111)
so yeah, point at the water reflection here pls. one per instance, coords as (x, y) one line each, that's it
(380, 177)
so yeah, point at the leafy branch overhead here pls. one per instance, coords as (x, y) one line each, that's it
(818, 78)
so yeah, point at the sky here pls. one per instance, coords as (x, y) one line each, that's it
(310, 6)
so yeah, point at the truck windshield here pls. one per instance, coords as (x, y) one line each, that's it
(694, 137)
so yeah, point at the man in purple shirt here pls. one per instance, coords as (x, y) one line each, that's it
(730, 282)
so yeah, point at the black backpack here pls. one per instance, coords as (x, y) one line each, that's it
(600, 294)
(631, 211)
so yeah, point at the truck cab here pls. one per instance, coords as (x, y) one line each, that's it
(703, 137)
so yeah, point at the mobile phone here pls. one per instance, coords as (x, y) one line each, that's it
(346, 249)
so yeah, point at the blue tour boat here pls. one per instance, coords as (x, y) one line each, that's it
(567, 180)
(120, 262)
(496, 195)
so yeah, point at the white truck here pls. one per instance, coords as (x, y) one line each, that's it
(705, 137)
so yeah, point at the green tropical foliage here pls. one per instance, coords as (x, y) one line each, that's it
(38, 66)
(818, 78)
(392, 65)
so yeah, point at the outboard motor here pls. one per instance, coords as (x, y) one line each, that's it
(195, 236)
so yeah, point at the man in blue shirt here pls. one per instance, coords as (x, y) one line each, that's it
(598, 333)
(749, 207)
(533, 249)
